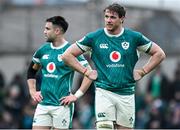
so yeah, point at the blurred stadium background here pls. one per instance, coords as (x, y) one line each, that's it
(21, 33)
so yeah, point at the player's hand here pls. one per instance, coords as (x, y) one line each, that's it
(37, 97)
(67, 100)
(138, 74)
(91, 74)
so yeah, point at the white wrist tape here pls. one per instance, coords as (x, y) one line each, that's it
(78, 93)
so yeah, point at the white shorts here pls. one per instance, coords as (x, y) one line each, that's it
(113, 107)
(54, 116)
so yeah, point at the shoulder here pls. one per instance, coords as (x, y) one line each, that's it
(67, 45)
(95, 34)
(131, 32)
(44, 45)
(42, 49)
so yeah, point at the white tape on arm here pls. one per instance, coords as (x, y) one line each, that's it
(79, 93)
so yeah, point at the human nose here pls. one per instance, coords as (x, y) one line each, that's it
(109, 20)
(45, 32)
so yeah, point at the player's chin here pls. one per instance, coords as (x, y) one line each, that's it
(109, 28)
(46, 38)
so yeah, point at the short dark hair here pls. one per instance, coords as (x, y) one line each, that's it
(59, 21)
(115, 7)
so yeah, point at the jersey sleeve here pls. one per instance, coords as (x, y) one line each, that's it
(85, 43)
(144, 44)
(37, 56)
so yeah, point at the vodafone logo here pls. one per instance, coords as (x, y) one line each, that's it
(51, 67)
(115, 56)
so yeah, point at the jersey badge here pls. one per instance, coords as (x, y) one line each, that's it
(125, 45)
(64, 122)
(46, 56)
(51, 67)
(131, 120)
(115, 56)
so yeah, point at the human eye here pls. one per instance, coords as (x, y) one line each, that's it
(47, 28)
(113, 17)
(106, 16)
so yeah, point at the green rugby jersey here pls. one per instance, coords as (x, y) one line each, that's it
(56, 76)
(114, 57)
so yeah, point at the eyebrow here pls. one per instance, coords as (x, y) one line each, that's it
(112, 16)
(47, 27)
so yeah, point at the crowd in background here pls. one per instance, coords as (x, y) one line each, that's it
(157, 107)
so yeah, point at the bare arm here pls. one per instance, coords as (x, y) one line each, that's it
(69, 57)
(157, 56)
(35, 95)
(31, 81)
(86, 82)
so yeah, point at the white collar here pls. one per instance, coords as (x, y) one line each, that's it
(111, 35)
(58, 47)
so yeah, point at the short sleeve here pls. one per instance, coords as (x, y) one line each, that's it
(85, 44)
(144, 44)
(37, 55)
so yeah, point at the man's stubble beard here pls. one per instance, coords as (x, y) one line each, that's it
(50, 40)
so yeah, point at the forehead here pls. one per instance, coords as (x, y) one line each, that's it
(111, 13)
(49, 25)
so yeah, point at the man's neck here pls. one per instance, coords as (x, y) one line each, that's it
(58, 42)
(115, 32)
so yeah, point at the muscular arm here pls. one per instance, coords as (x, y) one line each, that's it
(86, 82)
(69, 57)
(31, 81)
(67, 100)
(157, 56)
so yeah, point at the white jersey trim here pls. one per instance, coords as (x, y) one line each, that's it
(59, 47)
(36, 60)
(144, 48)
(83, 47)
(110, 35)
